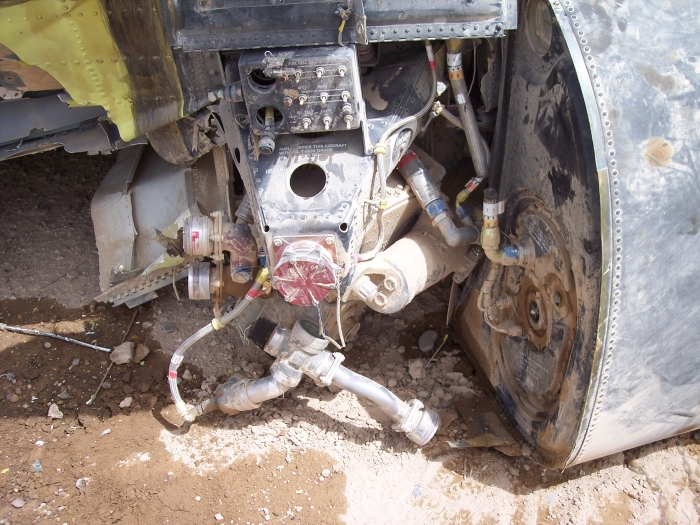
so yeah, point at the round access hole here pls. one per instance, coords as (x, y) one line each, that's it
(260, 117)
(307, 180)
(261, 82)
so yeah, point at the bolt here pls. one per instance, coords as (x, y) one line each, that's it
(319, 72)
(287, 101)
(306, 122)
(342, 70)
(277, 242)
(348, 120)
(302, 99)
(345, 95)
(330, 241)
(327, 122)
(324, 97)
(297, 74)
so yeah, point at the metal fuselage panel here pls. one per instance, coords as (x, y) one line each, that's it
(641, 95)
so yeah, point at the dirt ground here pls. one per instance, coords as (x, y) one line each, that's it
(312, 457)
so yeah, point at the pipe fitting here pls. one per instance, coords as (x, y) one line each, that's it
(517, 253)
(299, 351)
(430, 199)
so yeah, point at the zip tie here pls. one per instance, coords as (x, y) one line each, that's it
(172, 375)
(380, 148)
(327, 378)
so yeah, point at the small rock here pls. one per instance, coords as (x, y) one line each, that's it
(47, 345)
(526, 451)
(106, 385)
(64, 395)
(12, 398)
(54, 412)
(423, 394)
(105, 432)
(417, 369)
(128, 389)
(122, 354)
(80, 483)
(417, 491)
(401, 349)
(36, 467)
(169, 328)
(187, 375)
(391, 382)
(218, 517)
(326, 473)
(126, 402)
(514, 471)
(31, 373)
(527, 467)
(18, 503)
(75, 362)
(461, 390)
(147, 324)
(617, 459)
(426, 342)
(141, 352)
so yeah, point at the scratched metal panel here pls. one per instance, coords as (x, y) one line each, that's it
(642, 60)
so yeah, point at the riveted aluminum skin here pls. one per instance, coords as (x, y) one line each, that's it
(644, 120)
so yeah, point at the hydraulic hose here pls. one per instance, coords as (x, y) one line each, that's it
(380, 149)
(189, 413)
(477, 148)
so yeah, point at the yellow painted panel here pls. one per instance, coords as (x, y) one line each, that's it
(71, 41)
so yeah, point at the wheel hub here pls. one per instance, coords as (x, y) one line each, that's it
(543, 299)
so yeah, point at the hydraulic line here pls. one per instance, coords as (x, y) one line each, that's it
(380, 149)
(430, 199)
(477, 148)
(186, 411)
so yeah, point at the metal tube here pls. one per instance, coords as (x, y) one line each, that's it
(466, 111)
(430, 198)
(264, 389)
(376, 393)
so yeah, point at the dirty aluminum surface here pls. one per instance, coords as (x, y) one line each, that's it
(646, 383)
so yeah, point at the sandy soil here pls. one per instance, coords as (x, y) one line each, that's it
(313, 457)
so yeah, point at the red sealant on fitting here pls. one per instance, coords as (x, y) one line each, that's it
(407, 158)
(253, 293)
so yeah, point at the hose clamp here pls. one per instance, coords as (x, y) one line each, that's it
(327, 378)
(494, 209)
